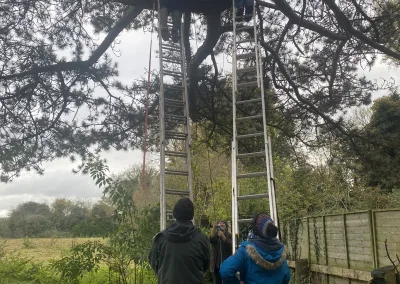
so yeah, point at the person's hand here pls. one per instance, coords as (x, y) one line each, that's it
(215, 225)
(221, 235)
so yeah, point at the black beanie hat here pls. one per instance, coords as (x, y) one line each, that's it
(184, 210)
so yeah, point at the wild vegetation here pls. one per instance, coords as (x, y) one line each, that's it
(331, 180)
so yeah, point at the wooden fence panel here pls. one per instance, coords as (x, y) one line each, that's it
(360, 246)
(336, 247)
(349, 245)
(316, 240)
(387, 227)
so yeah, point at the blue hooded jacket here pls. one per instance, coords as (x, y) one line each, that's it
(259, 261)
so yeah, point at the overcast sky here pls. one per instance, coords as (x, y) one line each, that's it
(58, 179)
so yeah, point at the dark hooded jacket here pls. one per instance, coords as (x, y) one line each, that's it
(259, 261)
(180, 254)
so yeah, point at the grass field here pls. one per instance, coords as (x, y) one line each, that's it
(42, 250)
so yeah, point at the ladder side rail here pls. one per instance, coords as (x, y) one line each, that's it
(275, 216)
(163, 209)
(186, 114)
(235, 224)
(256, 49)
(266, 140)
(235, 193)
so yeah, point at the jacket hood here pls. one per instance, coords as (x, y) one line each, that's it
(179, 232)
(269, 260)
(267, 244)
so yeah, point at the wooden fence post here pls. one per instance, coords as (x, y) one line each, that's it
(308, 240)
(301, 270)
(371, 226)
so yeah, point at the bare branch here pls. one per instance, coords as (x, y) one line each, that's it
(390, 259)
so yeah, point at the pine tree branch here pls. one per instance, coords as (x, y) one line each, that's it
(285, 8)
(126, 19)
(346, 24)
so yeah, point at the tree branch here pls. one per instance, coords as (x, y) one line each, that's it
(213, 35)
(334, 65)
(126, 19)
(342, 19)
(285, 8)
(372, 22)
(390, 259)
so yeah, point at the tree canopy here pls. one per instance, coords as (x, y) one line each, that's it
(52, 71)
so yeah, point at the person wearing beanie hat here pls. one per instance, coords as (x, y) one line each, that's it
(181, 253)
(261, 259)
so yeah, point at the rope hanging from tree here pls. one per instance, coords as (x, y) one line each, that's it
(147, 102)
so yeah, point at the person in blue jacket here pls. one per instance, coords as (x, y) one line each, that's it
(261, 259)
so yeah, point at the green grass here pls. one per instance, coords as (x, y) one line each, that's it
(27, 261)
(42, 250)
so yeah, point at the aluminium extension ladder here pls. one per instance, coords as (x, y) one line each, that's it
(247, 77)
(174, 122)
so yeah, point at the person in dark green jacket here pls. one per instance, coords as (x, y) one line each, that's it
(181, 253)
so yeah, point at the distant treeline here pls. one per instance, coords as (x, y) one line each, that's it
(61, 219)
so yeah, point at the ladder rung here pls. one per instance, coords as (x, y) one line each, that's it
(176, 172)
(246, 28)
(245, 55)
(176, 46)
(175, 117)
(242, 16)
(249, 117)
(171, 61)
(249, 101)
(248, 155)
(253, 196)
(171, 102)
(246, 70)
(171, 58)
(250, 135)
(172, 73)
(175, 135)
(170, 215)
(245, 220)
(171, 49)
(176, 87)
(177, 192)
(245, 40)
(251, 175)
(175, 154)
(247, 85)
